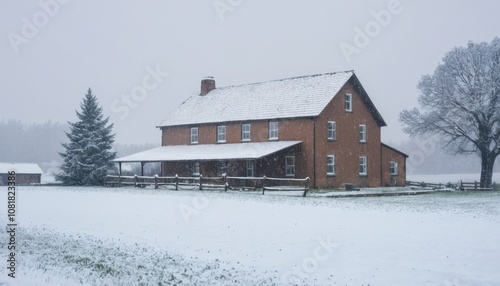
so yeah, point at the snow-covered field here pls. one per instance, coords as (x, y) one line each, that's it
(126, 236)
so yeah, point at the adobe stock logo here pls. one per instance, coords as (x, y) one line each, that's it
(224, 6)
(300, 274)
(40, 19)
(372, 29)
(138, 93)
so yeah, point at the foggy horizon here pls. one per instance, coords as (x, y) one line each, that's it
(54, 52)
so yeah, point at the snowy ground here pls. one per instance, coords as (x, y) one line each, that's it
(109, 236)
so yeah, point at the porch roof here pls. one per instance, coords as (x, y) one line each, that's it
(209, 152)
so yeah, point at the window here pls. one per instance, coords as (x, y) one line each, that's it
(273, 130)
(362, 165)
(196, 168)
(221, 168)
(393, 167)
(290, 166)
(245, 132)
(332, 130)
(221, 134)
(348, 102)
(362, 133)
(250, 169)
(194, 135)
(330, 165)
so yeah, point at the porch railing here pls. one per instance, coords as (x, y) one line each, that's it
(223, 182)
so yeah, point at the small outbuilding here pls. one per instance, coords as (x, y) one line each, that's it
(26, 173)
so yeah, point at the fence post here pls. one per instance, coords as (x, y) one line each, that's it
(306, 187)
(156, 181)
(119, 180)
(263, 184)
(475, 185)
(176, 182)
(225, 183)
(201, 177)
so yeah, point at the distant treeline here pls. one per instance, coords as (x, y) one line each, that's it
(35, 143)
(428, 157)
(41, 142)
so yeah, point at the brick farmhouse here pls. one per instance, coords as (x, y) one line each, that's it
(324, 127)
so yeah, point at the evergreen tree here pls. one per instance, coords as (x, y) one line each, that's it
(88, 155)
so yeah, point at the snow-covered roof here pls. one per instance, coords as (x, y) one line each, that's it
(304, 96)
(20, 168)
(201, 152)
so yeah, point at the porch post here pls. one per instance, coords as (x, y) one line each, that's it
(142, 168)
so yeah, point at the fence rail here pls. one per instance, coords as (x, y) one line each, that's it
(460, 185)
(223, 182)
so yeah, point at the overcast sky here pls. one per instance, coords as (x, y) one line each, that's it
(159, 50)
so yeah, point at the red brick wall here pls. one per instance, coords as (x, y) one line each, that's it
(390, 155)
(346, 148)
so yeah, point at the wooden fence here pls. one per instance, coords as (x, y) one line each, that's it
(474, 186)
(461, 185)
(223, 182)
(427, 185)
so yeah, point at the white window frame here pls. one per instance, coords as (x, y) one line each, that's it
(330, 165)
(250, 171)
(273, 130)
(221, 134)
(362, 133)
(393, 168)
(196, 168)
(290, 166)
(348, 102)
(363, 166)
(332, 130)
(221, 168)
(245, 134)
(194, 135)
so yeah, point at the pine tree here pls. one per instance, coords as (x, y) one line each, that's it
(88, 154)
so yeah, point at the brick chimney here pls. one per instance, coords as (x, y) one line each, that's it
(207, 84)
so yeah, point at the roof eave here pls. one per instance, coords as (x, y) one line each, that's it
(394, 149)
(369, 103)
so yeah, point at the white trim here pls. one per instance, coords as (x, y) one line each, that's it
(363, 166)
(362, 133)
(249, 132)
(274, 132)
(332, 130)
(332, 163)
(192, 135)
(250, 166)
(393, 165)
(291, 166)
(195, 168)
(348, 102)
(221, 132)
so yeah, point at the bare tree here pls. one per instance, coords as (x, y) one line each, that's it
(460, 104)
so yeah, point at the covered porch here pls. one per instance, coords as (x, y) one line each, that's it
(274, 158)
(258, 165)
